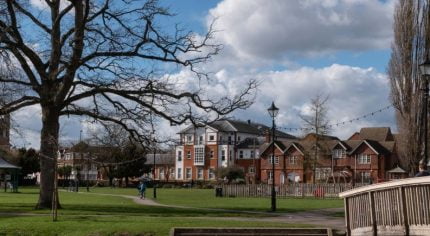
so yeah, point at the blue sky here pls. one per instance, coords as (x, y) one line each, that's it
(296, 49)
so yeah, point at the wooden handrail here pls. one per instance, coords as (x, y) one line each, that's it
(386, 185)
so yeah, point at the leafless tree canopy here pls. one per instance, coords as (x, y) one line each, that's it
(105, 60)
(410, 47)
(318, 122)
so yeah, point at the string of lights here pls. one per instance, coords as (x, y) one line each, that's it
(341, 123)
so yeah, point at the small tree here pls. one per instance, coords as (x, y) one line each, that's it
(230, 173)
(316, 121)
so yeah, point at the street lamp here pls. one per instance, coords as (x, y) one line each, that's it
(273, 112)
(425, 72)
(154, 141)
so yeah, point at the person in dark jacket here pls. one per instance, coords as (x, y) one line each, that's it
(142, 188)
(422, 170)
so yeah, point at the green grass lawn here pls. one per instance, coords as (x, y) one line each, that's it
(92, 214)
(205, 198)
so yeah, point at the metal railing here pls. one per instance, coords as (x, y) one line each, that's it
(400, 207)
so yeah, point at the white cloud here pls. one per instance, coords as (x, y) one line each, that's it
(272, 29)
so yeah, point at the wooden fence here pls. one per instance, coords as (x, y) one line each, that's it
(400, 207)
(290, 190)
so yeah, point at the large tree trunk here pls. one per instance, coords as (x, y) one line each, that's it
(48, 160)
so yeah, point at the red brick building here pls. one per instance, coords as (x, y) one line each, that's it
(365, 157)
(202, 150)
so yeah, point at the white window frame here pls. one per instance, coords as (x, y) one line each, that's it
(211, 154)
(223, 155)
(251, 170)
(364, 158)
(199, 173)
(339, 153)
(179, 155)
(241, 154)
(276, 160)
(188, 154)
(199, 154)
(211, 173)
(211, 138)
(179, 173)
(188, 173)
(293, 160)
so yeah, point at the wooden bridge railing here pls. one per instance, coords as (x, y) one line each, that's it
(400, 207)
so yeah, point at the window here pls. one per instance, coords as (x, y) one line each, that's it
(251, 169)
(199, 154)
(189, 138)
(179, 155)
(200, 173)
(188, 173)
(211, 173)
(188, 154)
(365, 177)
(200, 140)
(339, 153)
(230, 156)
(161, 173)
(211, 138)
(322, 173)
(238, 138)
(293, 160)
(270, 175)
(241, 154)
(363, 158)
(276, 160)
(252, 154)
(211, 154)
(223, 155)
(229, 139)
(179, 173)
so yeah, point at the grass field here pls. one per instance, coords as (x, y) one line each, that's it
(92, 214)
(205, 198)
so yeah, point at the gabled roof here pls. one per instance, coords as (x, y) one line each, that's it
(380, 134)
(229, 125)
(297, 146)
(397, 170)
(374, 145)
(6, 165)
(278, 144)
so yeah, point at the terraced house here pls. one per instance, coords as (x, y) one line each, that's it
(367, 156)
(202, 150)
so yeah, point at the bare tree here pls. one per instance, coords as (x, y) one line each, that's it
(317, 121)
(410, 47)
(105, 60)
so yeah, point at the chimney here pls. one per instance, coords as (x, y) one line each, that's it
(268, 136)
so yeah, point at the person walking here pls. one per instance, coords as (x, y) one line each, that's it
(142, 188)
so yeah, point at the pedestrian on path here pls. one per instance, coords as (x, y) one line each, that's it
(142, 188)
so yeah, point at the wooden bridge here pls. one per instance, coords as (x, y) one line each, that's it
(400, 207)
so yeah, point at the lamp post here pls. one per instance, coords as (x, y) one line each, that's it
(273, 112)
(425, 72)
(154, 141)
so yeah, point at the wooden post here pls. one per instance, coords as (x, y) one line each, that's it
(348, 225)
(404, 210)
(373, 214)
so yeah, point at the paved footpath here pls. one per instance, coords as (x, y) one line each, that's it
(316, 217)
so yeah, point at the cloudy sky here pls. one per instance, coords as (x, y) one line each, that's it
(296, 49)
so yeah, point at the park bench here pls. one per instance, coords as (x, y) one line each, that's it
(249, 231)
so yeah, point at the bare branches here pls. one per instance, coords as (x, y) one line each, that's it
(410, 46)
